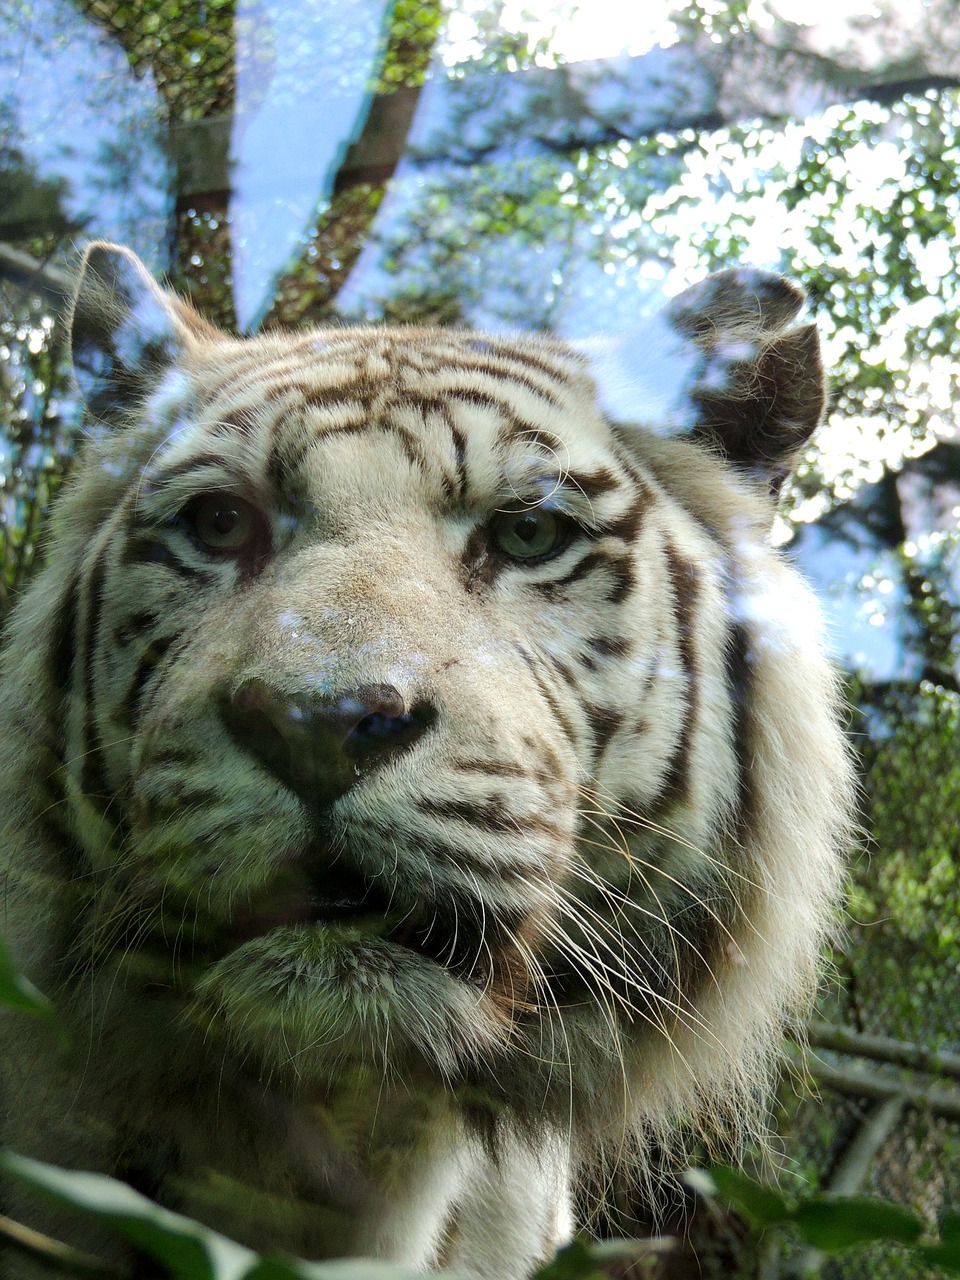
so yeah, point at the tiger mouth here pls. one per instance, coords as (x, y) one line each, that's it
(335, 896)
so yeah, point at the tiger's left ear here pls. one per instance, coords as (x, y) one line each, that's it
(125, 331)
(725, 365)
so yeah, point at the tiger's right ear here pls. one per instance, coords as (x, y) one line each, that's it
(125, 331)
(725, 365)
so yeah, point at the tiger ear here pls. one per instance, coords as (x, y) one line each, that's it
(125, 331)
(725, 365)
(759, 392)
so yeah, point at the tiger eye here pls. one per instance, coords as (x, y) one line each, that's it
(529, 535)
(222, 522)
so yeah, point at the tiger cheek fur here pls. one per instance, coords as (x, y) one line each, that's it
(417, 783)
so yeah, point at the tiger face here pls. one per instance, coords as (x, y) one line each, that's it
(412, 714)
(355, 729)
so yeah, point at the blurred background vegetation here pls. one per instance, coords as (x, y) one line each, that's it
(551, 165)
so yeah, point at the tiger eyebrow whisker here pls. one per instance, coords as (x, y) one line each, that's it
(158, 448)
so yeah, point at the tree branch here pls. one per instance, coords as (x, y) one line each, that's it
(853, 1170)
(488, 116)
(29, 274)
(936, 1062)
(859, 1082)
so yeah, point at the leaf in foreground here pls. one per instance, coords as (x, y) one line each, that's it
(18, 992)
(834, 1224)
(941, 1257)
(187, 1249)
(950, 1230)
(763, 1205)
(586, 1260)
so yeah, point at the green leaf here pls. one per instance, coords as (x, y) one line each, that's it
(950, 1229)
(341, 1269)
(576, 1261)
(945, 1257)
(588, 1259)
(188, 1250)
(17, 992)
(763, 1205)
(834, 1224)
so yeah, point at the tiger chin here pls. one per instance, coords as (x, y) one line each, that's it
(419, 786)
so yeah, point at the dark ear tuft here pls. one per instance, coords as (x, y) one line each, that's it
(125, 331)
(758, 393)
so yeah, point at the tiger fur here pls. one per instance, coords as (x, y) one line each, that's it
(417, 786)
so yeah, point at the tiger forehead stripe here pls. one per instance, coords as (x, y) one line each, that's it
(465, 375)
(270, 398)
(227, 377)
(355, 382)
(166, 472)
(257, 375)
(496, 383)
(502, 356)
(543, 461)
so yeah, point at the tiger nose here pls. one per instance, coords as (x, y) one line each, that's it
(320, 746)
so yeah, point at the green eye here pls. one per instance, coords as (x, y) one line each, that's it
(529, 535)
(223, 523)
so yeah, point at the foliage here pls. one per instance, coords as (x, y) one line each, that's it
(860, 204)
(18, 992)
(38, 435)
(414, 26)
(190, 53)
(903, 934)
(185, 1249)
(835, 1223)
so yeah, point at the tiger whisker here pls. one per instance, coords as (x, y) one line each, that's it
(622, 903)
(619, 898)
(679, 1010)
(636, 862)
(631, 818)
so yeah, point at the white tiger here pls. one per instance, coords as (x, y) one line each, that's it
(417, 787)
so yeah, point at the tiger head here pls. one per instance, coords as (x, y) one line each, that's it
(411, 710)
